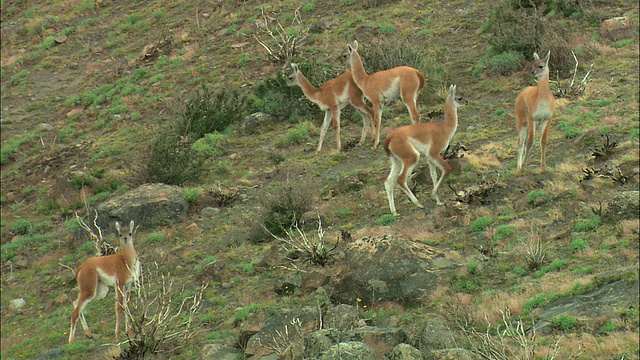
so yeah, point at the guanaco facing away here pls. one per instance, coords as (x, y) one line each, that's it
(331, 97)
(405, 144)
(535, 107)
(386, 85)
(97, 274)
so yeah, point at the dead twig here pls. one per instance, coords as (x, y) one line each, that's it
(281, 45)
(572, 89)
(479, 192)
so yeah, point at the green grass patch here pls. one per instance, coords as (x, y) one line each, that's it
(480, 224)
(386, 219)
(587, 224)
(563, 322)
(578, 244)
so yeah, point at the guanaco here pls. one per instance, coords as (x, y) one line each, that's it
(386, 85)
(97, 274)
(535, 107)
(405, 144)
(331, 97)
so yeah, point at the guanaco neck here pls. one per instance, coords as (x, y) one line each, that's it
(357, 70)
(450, 115)
(130, 257)
(544, 91)
(307, 89)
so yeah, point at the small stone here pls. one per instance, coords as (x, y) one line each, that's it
(17, 303)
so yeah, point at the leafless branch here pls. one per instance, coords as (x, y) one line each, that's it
(572, 90)
(535, 254)
(102, 247)
(281, 45)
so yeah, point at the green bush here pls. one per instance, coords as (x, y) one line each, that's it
(22, 227)
(386, 219)
(506, 62)
(563, 322)
(578, 244)
(294, 136)
(155, 237)
(533, 303)
(206, 112)
(504, 231)
(480, 224)
(607, 328)
(585, 225)
(516, 26)
(210, 145)
(537, 197)
(172, 160)
(191, 194)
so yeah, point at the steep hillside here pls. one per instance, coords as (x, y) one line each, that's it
(89, 87)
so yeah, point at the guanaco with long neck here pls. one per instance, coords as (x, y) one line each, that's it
(405, 144)
(97, 274)
(535, 107)
(386, 85)
(331, 97)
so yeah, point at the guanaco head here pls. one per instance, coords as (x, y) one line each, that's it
(540, 66)
(456, 100)
(292, 79)
(350, 50)
(126, 238)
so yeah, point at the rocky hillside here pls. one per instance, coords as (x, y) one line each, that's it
(177, 115)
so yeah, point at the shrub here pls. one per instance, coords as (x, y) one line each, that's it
(607, 328)
(533, 303)
(584, 225)
(207, 112)
(516, 26)
(285, 205)
(537, 197)
(506, 62)
(191, 194)
(480, 224)
(386, 219)
(472, 267)
(295, 136)
(155, 237)
(22, 227)
(172, 159)
(504, 231)
(563, 322)
(578, 244)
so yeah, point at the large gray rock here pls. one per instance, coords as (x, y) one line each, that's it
(252, 123)
(625, 205)
(618, 28)
(148, 205)
(385, 268)
(602, 302)
(405, 352)
(351, 350)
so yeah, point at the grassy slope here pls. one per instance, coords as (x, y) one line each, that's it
(102, 49)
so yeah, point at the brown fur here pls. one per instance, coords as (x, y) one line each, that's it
(409, 81)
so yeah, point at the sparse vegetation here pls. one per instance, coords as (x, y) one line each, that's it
(99, 97)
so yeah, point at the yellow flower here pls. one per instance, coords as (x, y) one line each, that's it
(358, 300)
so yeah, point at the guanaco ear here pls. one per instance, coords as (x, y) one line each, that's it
(131, 227)
(546, 59)
(536, 57)
(355, 45)
(118, 227)
(294, 66)
(452, 90)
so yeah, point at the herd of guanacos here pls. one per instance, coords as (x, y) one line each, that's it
(535, 107)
